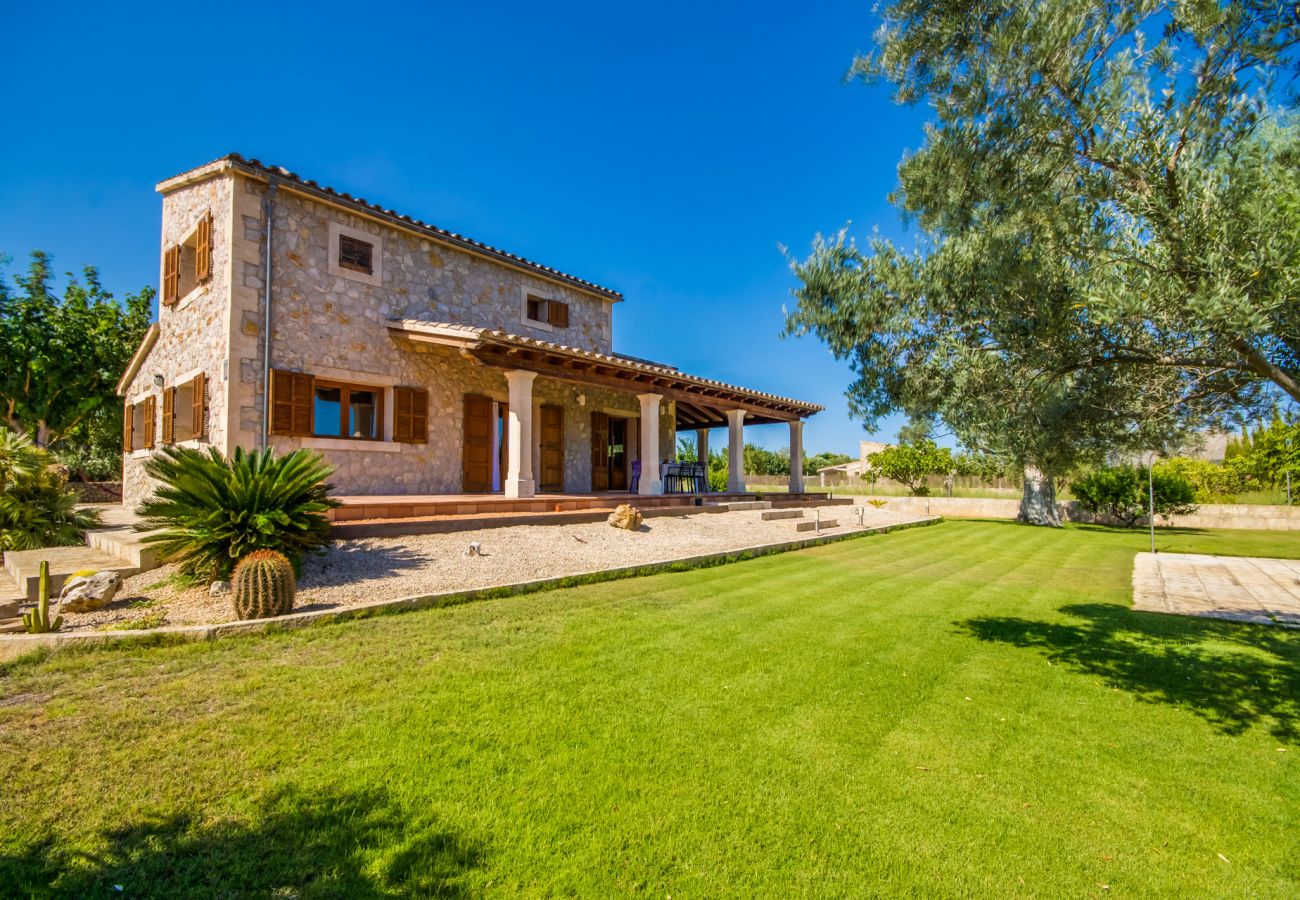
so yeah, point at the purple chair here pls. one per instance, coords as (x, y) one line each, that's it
(636, 476)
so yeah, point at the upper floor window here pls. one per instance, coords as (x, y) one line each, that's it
(355, 254)
(188, 264)
(544, 312)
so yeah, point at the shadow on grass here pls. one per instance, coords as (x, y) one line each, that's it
(353, 845)
(1234, 676)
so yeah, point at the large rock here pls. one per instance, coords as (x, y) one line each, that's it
(626, 516)
(84, 593)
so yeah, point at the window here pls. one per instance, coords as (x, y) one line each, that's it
(185, 411)
(355, 254)
(537, 309)
(304, 406)
(540, 311)
(347, 411)
(203, 249)
(188, 264)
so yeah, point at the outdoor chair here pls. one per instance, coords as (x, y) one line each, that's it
(673, 478)
(636, 476)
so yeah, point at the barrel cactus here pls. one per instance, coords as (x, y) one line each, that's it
(263, 585)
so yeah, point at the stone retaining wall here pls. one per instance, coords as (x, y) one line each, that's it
(1210, 515)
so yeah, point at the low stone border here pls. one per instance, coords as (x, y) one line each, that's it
(16, 646)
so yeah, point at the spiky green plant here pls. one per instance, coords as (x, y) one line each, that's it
(262, 585)
(38, 620)
(37, 508)
(209, 511)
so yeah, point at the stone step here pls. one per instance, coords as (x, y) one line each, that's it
(12, 626)
(126, 544)
(808, 503)
(9, 592)
(813, 524)
(738, 505)
(24, 566)
(8, 609)
(769, 515)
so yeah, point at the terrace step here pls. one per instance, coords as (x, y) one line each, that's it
(813, 524)
(126, 544)
(24, 566)
(737, 505)
(12, 626)
(769, 515)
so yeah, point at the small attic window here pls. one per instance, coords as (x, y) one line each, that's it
(356, 255)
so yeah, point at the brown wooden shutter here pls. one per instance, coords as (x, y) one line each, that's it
(169, 416)
(203, 249)
(552, 448)
(599, 451)
(291, 401)
(476, 454)
(128, 428)
(150, 420)
(559, 314)
(199, 406)
(171, 275)
(410, 415)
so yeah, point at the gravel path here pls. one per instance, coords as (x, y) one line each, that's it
(368, 569)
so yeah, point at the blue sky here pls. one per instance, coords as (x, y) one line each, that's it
(667, 151)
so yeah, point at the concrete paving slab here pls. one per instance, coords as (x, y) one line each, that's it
(1237, 588)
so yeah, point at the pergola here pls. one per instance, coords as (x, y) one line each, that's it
(700, 403)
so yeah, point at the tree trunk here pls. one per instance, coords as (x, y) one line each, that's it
(42, 434)
(1038, 501)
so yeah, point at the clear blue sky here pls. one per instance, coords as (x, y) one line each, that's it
(665, 150)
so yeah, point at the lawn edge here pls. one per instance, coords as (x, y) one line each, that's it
(15, 650)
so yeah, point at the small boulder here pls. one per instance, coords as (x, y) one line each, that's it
(85, 593)
(219, 589)
(626, 516)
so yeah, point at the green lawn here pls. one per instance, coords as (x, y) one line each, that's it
(967, 709)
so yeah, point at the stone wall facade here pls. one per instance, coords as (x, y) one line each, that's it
(332, 323)
(193, 333)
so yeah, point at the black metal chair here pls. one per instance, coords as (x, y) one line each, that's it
(673, 478)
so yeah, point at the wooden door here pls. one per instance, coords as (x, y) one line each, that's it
(618, 429)
(599, 451)
(477, 451)
(552, 448)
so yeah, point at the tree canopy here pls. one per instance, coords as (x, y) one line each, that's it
(1108, 248)
(61, 357)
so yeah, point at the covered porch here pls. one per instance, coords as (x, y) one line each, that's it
(522, 453)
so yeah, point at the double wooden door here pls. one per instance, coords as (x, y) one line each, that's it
(612, 440)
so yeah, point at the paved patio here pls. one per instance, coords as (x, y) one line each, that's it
(1239, 588)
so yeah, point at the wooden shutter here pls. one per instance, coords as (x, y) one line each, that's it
(128, 428)
(476, 454)
(150, 418)
(169, 416)
(291, 401)
(410, 415)
(199, 406)
(558, 313)
(203, 249)
(552, 447)
(599, 451)
(171, 275)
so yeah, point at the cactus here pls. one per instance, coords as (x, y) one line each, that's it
(38, 620)
(262, 585)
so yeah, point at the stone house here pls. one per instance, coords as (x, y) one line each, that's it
(416, 360)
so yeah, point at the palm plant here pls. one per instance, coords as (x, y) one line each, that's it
(209, 511)
(37, 508)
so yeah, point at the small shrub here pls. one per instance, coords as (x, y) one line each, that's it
(1121, 493)
(37, 508)
(262, 585)
(212, 511)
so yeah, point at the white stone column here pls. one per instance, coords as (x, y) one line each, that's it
(735, 451)
(796, 456)
(650, 482)
(519, 473)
